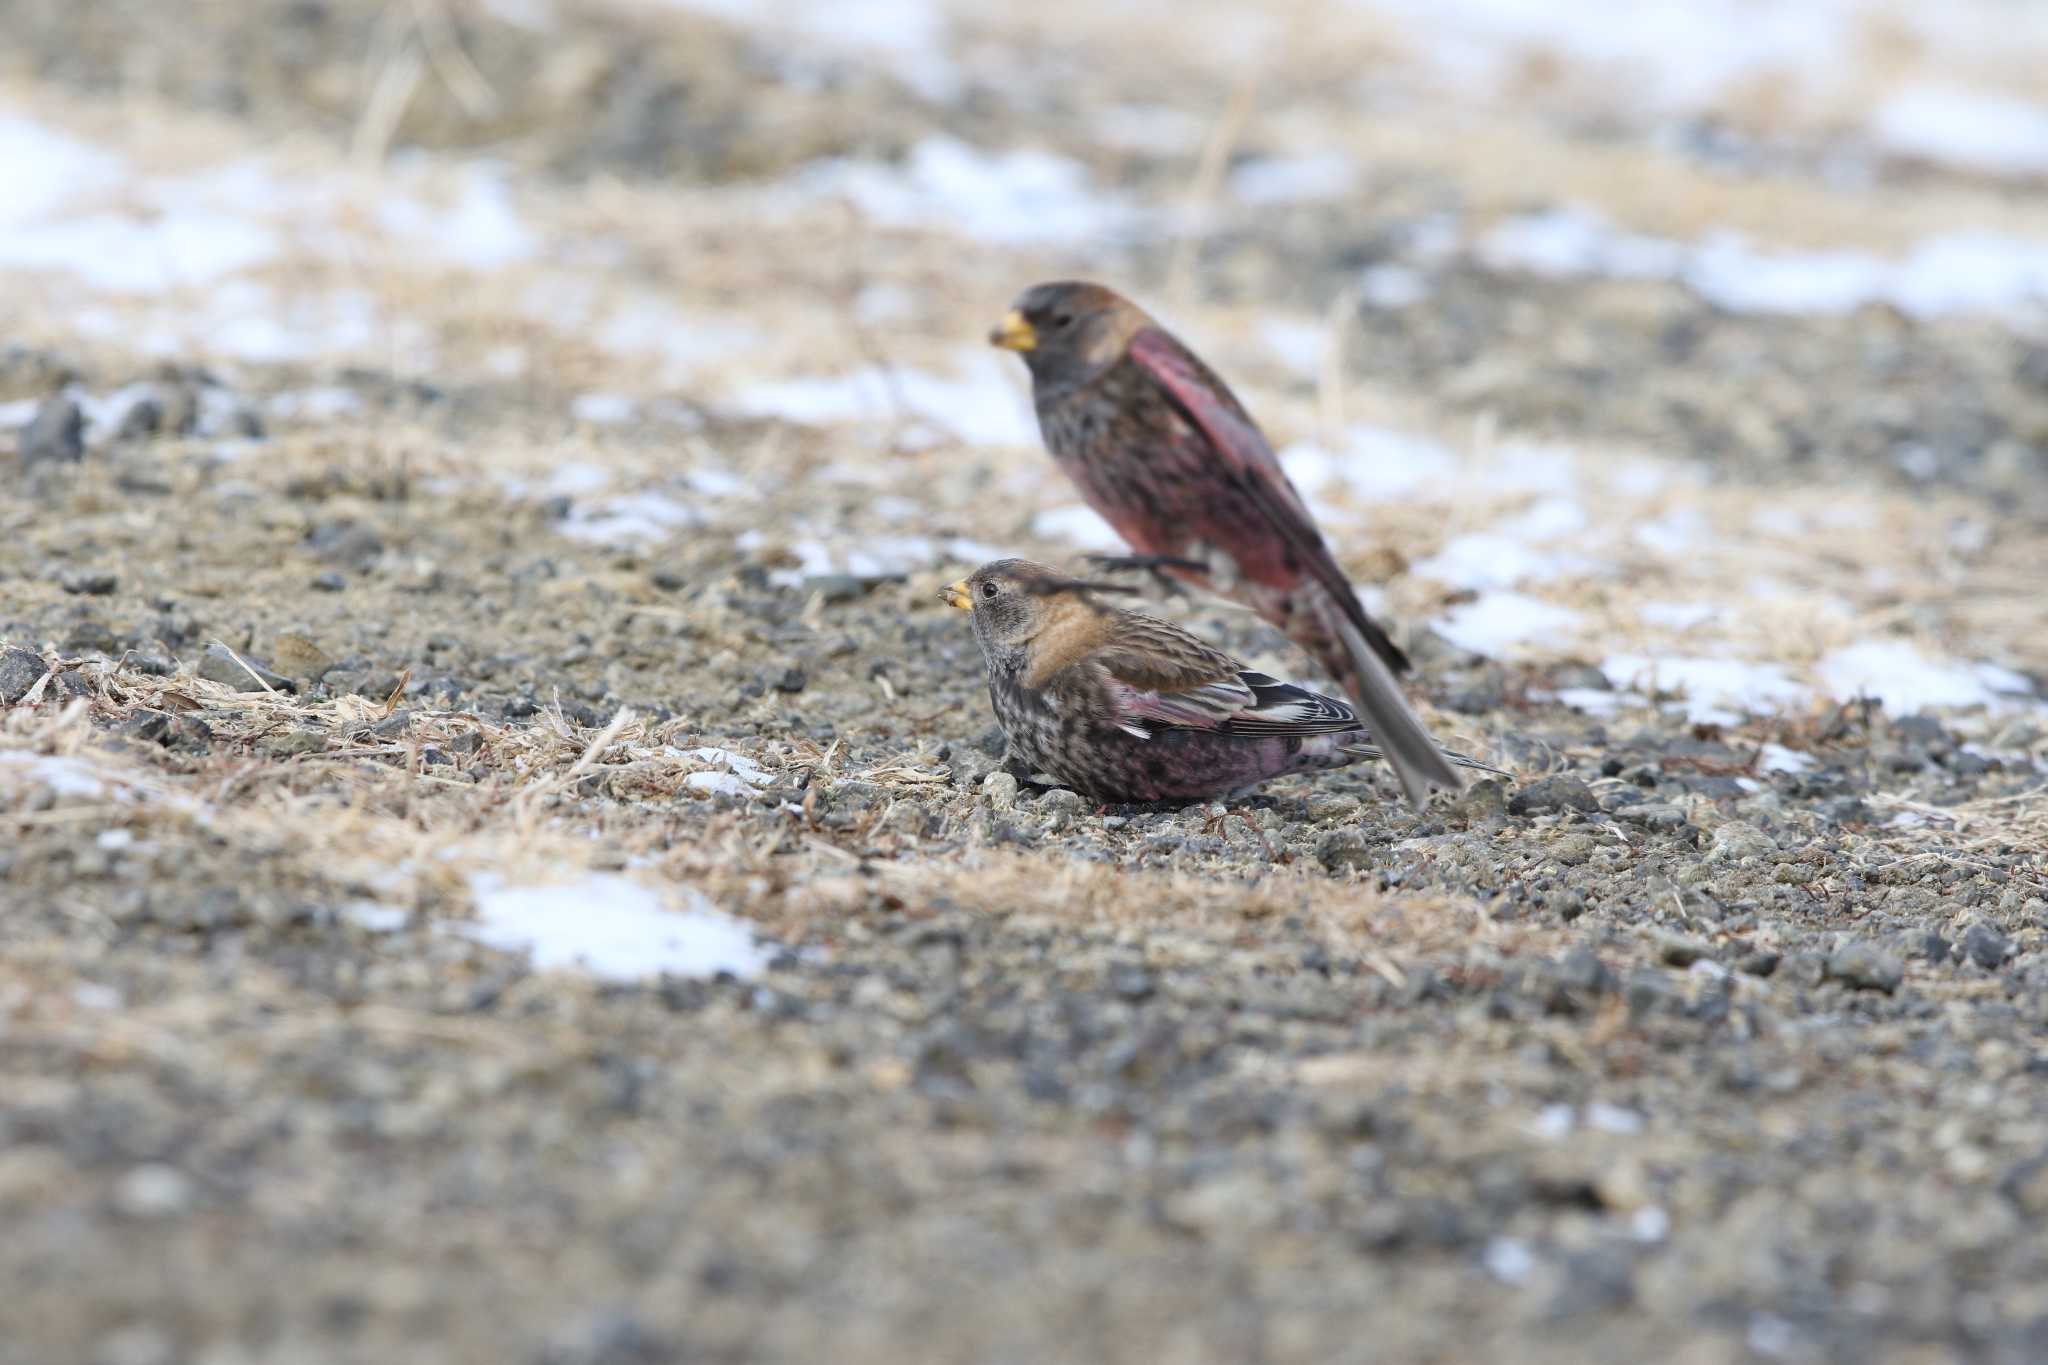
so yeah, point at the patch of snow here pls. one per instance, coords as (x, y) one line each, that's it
(1528, 466)
(1776, 758)
(1971, 129)
(906, 37)
(130, 255)
(1509, 1260)
(1554, 1123)
(244, 320)
(1958, 272)
(321, 403)
(1672, 534)
(1078, 525)
(1154, 128)
(982, 402)
(629, 519)
(1493, 621)
(713, 482)
(1015, 198)
(1649, 1224)
(883, 303)
(1668, 56)
(1609, 1118)
(1298, 345)
(536, 15)
(1716, 690)
(604, 409)
(1485, 559)
(1730, 273)
(1547, 519)
(683, 344)
(1390, 287)
(611, 927)
(575, 479)
(1774, 520)
(1594, 701)
(1371, 463)
(1906, 680)
(881, 557)
(480, 231)
(91, 995)
(44, 170)
(1573, 241)
(374, 916)
(1294, 179)
(1771, 1337)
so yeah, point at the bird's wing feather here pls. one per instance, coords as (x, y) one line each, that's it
(1158, 673)
(1248, 460)
(1280, 708)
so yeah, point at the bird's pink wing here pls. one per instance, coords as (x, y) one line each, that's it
(1291, 546)
(1247, 703)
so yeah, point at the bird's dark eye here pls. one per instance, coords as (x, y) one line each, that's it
(1062, 319)
(988, 590)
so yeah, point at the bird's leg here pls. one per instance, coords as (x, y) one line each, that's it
(1156, 565)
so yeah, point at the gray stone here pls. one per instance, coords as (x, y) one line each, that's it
(219, 665)
(1867, 966)
(1062, 800)
(1681, 950)
(89, 582)
(20, 669)
(154, 1190)
(1001, 790)
(1986, 947)
(56, 433)
(1652, 815)
(1559, 792)
(1737, 840)
(1344, 850)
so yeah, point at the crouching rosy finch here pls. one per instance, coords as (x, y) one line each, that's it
(1126, 707)
(1163, 450)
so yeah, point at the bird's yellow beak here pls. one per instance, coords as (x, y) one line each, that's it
(956, 595)
(1014, 333)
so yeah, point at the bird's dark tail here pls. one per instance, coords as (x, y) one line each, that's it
(1418, 763)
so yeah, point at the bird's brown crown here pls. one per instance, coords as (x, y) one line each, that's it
(1069, 325)
(1052, 616)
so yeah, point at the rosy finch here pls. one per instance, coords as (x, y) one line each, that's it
(1126, 707)
(1164, 451)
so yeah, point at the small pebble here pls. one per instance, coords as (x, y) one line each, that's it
(1986, 947)
(1867, 966)
(89, 582)
(55, 434)
(153, 1190)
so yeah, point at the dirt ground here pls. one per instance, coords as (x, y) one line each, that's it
(518, 454)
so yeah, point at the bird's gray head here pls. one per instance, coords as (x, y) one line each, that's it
(1068, 331)
(1007, 612)
(1016, 602)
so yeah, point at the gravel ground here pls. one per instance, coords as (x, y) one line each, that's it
(1666, 1048)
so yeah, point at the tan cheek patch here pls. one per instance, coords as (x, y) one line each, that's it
(1070, 631)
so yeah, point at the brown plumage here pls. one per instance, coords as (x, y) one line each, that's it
(1127, 707)
(1163, 450)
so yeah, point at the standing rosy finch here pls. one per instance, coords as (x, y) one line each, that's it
(1126, 707)
(1163, 450)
